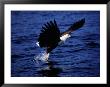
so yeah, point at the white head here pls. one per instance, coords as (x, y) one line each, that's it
(64, 37)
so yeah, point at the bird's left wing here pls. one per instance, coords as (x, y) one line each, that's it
(74, 26)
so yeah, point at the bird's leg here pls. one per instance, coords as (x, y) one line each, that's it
(47, 55)
(49, 49)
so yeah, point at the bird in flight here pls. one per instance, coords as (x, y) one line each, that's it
(50, 36)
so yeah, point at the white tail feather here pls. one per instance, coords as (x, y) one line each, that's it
(38, 44)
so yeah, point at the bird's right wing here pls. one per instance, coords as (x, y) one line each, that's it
(50, 34)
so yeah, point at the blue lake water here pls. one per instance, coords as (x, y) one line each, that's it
(79, 56)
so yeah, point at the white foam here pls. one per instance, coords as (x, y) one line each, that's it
(43, 56)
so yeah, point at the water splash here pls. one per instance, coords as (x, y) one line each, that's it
(42, 56)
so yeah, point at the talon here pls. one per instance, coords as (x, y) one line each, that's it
(47, 56)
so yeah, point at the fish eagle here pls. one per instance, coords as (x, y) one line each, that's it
(50, 36)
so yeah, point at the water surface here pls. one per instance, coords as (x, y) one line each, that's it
(79, 56)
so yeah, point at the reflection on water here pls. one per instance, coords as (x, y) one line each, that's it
(49, 70)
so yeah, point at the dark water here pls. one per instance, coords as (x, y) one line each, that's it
(79, 56)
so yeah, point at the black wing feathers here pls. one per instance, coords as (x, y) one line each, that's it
(75, 26)
(50, 35)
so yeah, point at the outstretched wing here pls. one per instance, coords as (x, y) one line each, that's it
(50, 34)
(74, 26)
